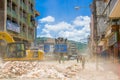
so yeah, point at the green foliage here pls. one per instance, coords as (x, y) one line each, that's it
(81, 46)
(41, 39)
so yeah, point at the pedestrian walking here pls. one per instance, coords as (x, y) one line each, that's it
(77, 58)
(80, 58)
(83, 62)
(61, 58)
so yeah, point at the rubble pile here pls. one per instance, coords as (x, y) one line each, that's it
(43, 71)
(72, 70)
(15, 68)
(53, 70)
(24, 69)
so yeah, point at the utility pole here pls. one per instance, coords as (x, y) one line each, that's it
(96, 37)
(94, 12)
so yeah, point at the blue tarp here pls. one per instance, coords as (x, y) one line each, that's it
(62, 48)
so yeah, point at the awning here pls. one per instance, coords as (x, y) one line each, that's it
(115, 10)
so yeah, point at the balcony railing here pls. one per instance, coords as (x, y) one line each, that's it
(30, 37)
(11, 12)
(15, 1)
(30, 11)
(23, 20)
(23, 34)
(23, 6)
(31, 24)
(32, 1)
(14, 14)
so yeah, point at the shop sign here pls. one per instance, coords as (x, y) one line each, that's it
(12, 26)
(112, 39)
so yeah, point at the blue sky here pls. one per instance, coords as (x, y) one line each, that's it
(59, 18)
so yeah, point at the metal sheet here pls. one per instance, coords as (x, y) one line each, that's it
(62, 48)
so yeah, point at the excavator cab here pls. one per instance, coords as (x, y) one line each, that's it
(15, 51)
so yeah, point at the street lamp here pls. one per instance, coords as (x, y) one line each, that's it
(77, 7)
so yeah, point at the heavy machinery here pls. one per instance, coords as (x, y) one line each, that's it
(16, 51)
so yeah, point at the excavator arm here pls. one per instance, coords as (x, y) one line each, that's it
(6, 37)
(16, 50)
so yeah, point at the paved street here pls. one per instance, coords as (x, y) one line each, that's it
(52, 70)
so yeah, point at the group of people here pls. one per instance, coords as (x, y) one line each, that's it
(79, 58)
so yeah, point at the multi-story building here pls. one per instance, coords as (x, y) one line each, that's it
(112, 29)
(72, 49)
(49, 45)
(97, 26)
(46, 44)
(108, 22)
(17, 18)
(101, 26)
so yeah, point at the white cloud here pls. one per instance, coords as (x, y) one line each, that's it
(81, 21)
(78, 34)
(86, 28)
(47, 19)
(38, 26)
(45, 31)
(47, 35)
(75, 35)
(69, 30)
(58, 27)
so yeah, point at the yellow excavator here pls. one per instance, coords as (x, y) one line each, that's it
(16, 51)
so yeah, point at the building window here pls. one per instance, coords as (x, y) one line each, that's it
(8, 3)
(24, 15)
(32, 7)
(24, 1)
(14, 7)
(21, 13)
(24, 28)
